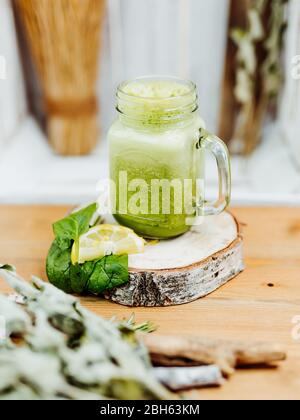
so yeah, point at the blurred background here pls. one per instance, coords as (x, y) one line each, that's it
(58, 57)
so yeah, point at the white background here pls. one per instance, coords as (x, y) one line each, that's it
(178, 37)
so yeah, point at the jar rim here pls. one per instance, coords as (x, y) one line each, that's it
(184, 82)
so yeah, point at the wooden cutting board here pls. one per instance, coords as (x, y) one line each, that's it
(258, 305)
(184, 269)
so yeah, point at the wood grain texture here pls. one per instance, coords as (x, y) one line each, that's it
(258, 305)
(184, 269)
(157, 288)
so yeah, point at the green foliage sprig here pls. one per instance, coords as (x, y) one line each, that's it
(91, 277)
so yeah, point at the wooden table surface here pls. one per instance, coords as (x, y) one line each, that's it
(260, 304)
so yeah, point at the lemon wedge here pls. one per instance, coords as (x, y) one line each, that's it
(104, 240)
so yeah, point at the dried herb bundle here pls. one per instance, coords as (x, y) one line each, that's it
(64, 39)
(67, 352)
(253, 74)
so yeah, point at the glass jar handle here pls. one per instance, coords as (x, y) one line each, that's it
(219, 149)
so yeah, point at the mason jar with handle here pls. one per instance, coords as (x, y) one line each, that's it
(157, 164)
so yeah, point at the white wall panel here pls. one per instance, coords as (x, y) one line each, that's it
(12, 97)
(176, 37)
(290, 110)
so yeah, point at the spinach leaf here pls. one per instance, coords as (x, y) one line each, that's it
(58, 266)
(91, 277)
(71, 227)
(109, 272)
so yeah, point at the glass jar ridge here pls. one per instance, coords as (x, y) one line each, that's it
(157, 101)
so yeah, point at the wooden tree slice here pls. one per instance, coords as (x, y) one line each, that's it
(184, 269)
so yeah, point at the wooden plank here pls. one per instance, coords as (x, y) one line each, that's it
(258, 305)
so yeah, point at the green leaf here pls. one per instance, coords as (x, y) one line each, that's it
(79, 277)
(108, 273)
(58, 267)
(71, 227)
(91, 277)
(7, 267)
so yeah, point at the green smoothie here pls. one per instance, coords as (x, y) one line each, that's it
(152, 157)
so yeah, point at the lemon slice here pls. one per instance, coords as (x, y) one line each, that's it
(104, 240)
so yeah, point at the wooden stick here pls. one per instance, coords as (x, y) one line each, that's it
(194, 351)
(178, 379)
